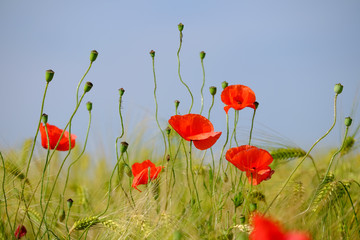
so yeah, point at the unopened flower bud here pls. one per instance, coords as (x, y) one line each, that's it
(49, 74)
(238, 200)
(88, 86)
(348, 121)
(202, 55)
(152, 53)
(253, 207)
(69, 203)
(256, 105)
(89, 106)
(123, 147)
(212, 90)
(121, 91)
(180, 27)
(338, 88)
(242, 219)
(93, 55)
(224, 84)
(44, 118)
(177, 102)
(168, 130)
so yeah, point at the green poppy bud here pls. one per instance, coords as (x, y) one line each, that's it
(121, 91)
(242, 219)
(256, 105)
(348, 121)
(180, 27)
(168, 130)
(88, 86)
(252, 207)
(44, 118)
(93, 55)
(212, 90)
(89, 106)
(49, 74)
(238, 200)
(338, 88)
(123, 147)
(69, 203)
(224, 84)
(202, 55)
(152, 53)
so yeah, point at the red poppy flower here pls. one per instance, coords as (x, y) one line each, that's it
(267, 229)
(238, 97)
(252, 160)
(20, 232)
(141, 173)
(54, 135)
(196, 128)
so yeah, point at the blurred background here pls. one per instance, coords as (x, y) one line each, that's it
(291, 53)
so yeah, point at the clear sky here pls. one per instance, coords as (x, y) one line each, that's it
(291, 53)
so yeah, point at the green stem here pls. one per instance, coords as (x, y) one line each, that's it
(352, 205)
(4, 192)
(178, 53)
(202, 87)
(77, 89)
(252, 125)
(223, 148)
(193, 178)
(306, 155)
(156, 110)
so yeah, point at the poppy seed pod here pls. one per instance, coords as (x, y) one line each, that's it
(224, 84)
(348, 121)
(69, 203)
(212, 90)
(89, 106)
(88, 86)
(338, 88)
(202, 55)
(49, 74)
(180, 27)
(152, 53)
(44, 118)
(256, 105)
(177, 102)
(93, 55)
(123, 147)
(121, 91)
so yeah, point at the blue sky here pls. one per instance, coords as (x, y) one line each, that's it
(291, 53)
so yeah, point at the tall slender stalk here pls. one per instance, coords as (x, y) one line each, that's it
(202, 56)
(193, 178)
(4, 192)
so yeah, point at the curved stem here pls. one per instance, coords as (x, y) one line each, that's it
(77, 89)
(252, 125)
(223, 148)
(306, 155)
(4, 192)
(178, 53)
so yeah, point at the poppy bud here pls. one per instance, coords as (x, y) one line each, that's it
(152, 53)
(121, 91)
(89, 106)
(180, 27)
(177, 102)
(348, 121)
(123, 147)
(256, 105)
(69, 203)
(88, 86)
(168, 157)
(202, 55)
(212, 90)
(49, 74)
(93, 55)
(242, 219)
(252, 207)
(224, 84)
(338, 88)
(62, 215)
(238, 200)
(168, 130)
(44, 118)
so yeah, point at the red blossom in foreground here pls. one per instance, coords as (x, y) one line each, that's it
(141, 173)
(196, 128)
(267, 229)
(252, 160)
(20, 232)
(54, 135)
(238, 97)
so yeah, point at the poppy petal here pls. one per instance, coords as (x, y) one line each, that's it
(238, 97)
(141, 173)
(54, 136)
(265, 229)
(208, 142)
